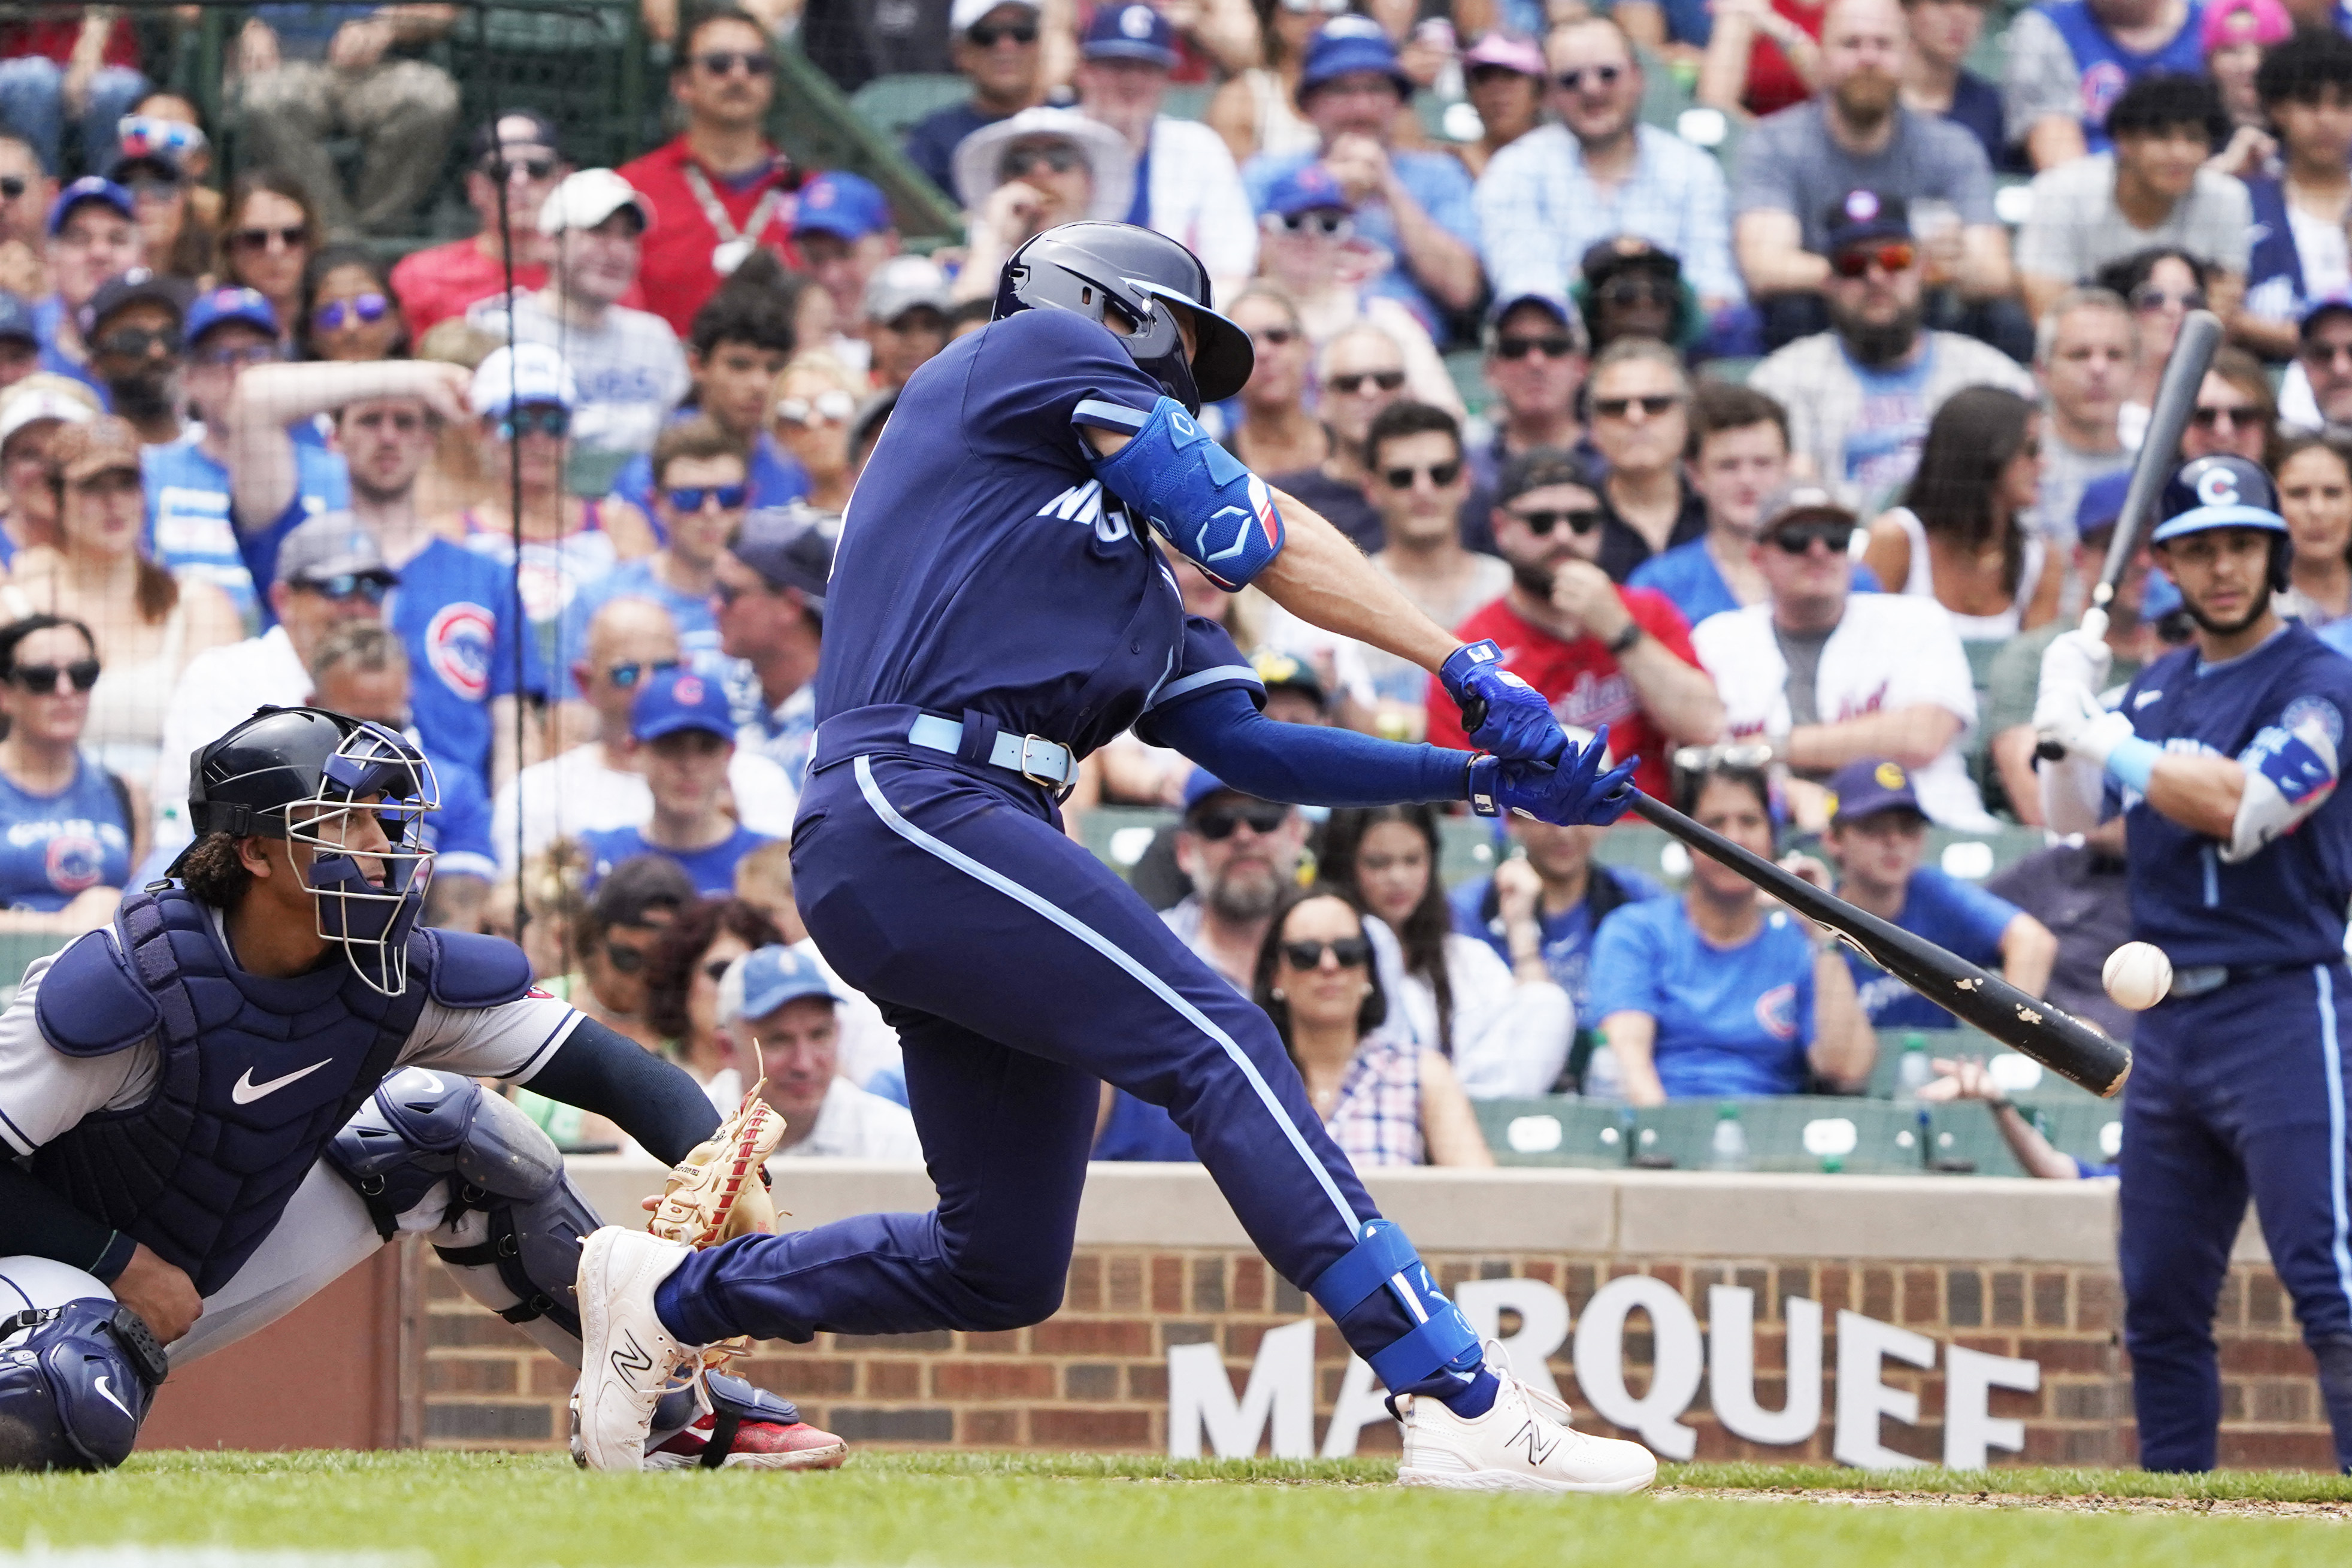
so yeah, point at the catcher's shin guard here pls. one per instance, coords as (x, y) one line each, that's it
(508, 1223)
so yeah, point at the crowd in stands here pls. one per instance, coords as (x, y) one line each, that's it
(1783, 457)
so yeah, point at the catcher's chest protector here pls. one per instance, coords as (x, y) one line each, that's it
(257, 1076)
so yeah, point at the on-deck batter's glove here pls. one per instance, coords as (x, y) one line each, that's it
(719, 1191)
(1576, 793)
(2077, 659)
(1502, 713)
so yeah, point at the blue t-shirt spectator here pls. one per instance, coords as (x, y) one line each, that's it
(712, 870)
(460, 831)
(189, 529)
(932, 140)
(1567, 936)
(1436, 180)
(1689, 575)
(53, 847)
(777, 477)
(1948, 912)
(457, 617)
(1730, 1021)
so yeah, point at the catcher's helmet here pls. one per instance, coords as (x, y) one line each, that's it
(1091, 267)
(292, 773)
(2225, 491)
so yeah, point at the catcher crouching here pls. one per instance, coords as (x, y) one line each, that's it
(263, 1070)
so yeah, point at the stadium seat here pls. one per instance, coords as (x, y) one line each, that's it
(891, 104)
(1555, 1130)
(1965, 1140)
(1796, 1132)
(1187, 100)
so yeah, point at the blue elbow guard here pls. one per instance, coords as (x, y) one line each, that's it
(1194, 493)
(1383, 1257)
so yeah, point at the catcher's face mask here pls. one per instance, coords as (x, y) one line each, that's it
(369, 866)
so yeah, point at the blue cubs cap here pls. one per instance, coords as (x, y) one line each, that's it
(765, 978)
(2102, 503)
(90, 188)
(2220, 491)
(1305, 189)
(2329, 303)
(1345, 45)
(17, 319)
(1205, 783)
(680, 699)
(842, 203)
(216, 306)
(1132, 32)
(1861, 216)
(1866, 787)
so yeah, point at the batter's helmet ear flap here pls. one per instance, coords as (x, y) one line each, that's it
(1090, 267)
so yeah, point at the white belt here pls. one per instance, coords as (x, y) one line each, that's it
(1042, 762)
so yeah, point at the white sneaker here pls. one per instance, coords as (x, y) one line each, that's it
(626, 1356)
(1523, 1444)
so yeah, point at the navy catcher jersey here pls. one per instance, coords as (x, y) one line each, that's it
(982, 566)
(2286, 904)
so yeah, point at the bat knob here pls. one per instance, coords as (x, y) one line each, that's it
(2050, 751)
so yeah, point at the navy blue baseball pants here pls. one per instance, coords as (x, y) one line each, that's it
(1020, 972)
(2237, 1092)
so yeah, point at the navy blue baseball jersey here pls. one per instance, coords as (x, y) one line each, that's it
(984, 567)
(2284, 904)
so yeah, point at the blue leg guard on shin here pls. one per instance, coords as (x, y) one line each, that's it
(1441, 1340)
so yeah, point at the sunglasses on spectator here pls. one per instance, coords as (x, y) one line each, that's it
(1654, 405)
(832, 407)
(1276, 337)
(1581, 520)
(547, 419)
(11, 186)
(1894, 256)
(623, 960)
(1799, 538)
(342, 586)
(2148, 297)
(2206, 415)
(987, 35)
(1637, 291)
(1348, 953)
(1348, 385)
(137, 342)
(49, 679)
(715, 970)
(722, 62)
(529, 168)
(691, 499)
(1217, 826)
(267, 238)
(1559, 345)
(1602, 76)
(225, 358)
(1060, 158)
(1440, 475)
(1321, 220)
(625, 675)
(364, 310)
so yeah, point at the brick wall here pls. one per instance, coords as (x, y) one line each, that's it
(1095, 1375)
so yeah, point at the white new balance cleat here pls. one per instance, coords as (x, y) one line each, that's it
(1523, 1444)
(626, 1356)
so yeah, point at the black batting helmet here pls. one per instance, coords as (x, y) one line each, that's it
(1090, 267)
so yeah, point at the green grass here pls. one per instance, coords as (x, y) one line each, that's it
(455, 1510)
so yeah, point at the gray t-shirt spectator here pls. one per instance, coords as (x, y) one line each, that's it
(2075, 227)
(1788, 162)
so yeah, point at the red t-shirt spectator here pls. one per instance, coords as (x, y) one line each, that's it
(441, 282)
(54, 39)
(677, 274)
(1580, 679)
(1773, 83)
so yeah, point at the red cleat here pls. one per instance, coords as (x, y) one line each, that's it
(759, 1445)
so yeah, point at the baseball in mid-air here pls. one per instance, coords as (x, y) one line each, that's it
(2137, 975)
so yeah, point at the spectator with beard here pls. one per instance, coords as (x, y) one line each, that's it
(2087, 353)
(1535, 359)
(1859, 396)
(2153, 189)
(132, 326)
(1362, 373)
(1797, 167)
(521, 151)
(1640, 401)
(1240, 853)
(93, 236)
(2070, 61)
(1599, 653)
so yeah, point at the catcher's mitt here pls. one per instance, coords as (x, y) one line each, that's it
(717, 1192)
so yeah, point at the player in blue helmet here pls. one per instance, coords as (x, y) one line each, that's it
(2223, 758)
(998, 609)
(262, 1071)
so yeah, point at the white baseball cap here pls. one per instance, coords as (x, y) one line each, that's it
(587, 197)
(964, 13)
(34, 405)
(524, 374)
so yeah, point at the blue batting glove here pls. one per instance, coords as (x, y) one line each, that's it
(1502, 713)
(1575, 793)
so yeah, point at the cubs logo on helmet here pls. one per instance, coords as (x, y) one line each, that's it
(2220, 491)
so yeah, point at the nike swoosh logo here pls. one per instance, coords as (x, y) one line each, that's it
(245, 1091)
(108, 1395)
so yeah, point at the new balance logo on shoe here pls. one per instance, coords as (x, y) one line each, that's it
(1539, 1447)
(635, 1361)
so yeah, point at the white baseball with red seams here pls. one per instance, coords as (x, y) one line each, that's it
(2137, 975)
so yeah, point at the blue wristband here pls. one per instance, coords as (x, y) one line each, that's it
(2133, 762)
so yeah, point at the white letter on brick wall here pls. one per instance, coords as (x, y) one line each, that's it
(1675, 1371)
(1543, 1322)
(1731, 1367)
(1861, 1399)
(1281, 1388)
(1969, 1428)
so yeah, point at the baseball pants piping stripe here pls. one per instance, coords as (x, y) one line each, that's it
(989, 876)
(2332, 1050)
